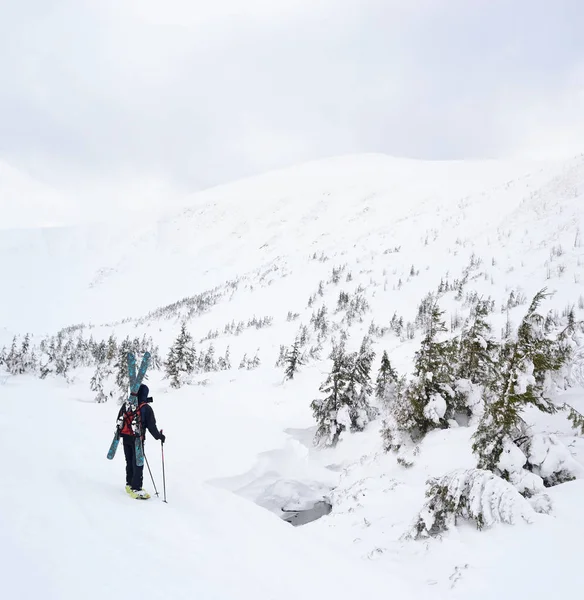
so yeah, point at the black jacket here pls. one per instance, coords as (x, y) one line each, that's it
(148, 419)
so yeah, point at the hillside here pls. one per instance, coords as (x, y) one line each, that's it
(348, 248)
(375, 202)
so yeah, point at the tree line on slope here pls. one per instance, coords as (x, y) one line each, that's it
(68, 350)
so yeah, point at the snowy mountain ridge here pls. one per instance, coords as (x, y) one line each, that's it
(232, 229)
(244, 268)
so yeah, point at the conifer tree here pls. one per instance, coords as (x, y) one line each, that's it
(97, 382)
(524, 369)
(255, 362)
(224, 362)
(477, 348)
(209, 363)
(293, 360)
(360, 388)
(303, 335)
(112, 348)
(326, 410)
(12, 360)
(432, 393)
(121, 370)
(26, 356)
(386, 375)
(180, 362)
(347, 390)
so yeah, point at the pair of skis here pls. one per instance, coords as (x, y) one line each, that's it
(135, 383)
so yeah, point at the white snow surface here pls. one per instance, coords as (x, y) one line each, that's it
(239, 446)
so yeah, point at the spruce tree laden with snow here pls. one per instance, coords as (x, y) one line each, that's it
(387, 375)
(525, 367)
(13, 360)
(97, 382)
(181, 359)
(477, 348)
(207, 360)
(320, 322)
(281, 361)
(224, 362)
(433, 393)
(303, 335)
(326, 410)
(474, 495)
(121, 370)
(347, 390)
(255, 362)
(293, 360)
(360, 388)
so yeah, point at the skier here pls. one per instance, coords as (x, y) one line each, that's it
(131, 423)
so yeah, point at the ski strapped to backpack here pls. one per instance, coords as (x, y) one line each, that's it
(135, 383)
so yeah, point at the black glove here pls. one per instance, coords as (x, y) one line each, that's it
(162, 437)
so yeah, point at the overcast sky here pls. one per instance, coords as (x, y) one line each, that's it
(188, 93)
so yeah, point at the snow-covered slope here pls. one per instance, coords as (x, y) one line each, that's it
(68, 529)
(240, 443)
(109, 272)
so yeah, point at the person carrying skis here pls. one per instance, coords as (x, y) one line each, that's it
(132, 422)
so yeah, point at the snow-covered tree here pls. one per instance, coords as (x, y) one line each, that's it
(360, 387)
(293, 360)
(181, 359)
(224, 362)
(347, 389)
(525, 367)
(207, 360)
(12, 360)
(121, 370)
(244, 362)
(475, 495)
(320, 321)
(250, 363)
(477, 349)
(387, 375)
(112, 348)
(433, 393)
(102, 372)
(327, 410)
(255, 361)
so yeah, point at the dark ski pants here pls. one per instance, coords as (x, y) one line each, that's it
(134, 473)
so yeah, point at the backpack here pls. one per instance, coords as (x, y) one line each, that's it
(130, 422)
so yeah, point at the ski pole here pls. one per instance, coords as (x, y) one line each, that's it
(163, 474)
(149, 471)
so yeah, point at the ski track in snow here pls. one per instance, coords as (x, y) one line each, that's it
(239, 449)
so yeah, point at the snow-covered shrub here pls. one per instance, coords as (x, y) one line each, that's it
(475, 495)
(551, 460)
